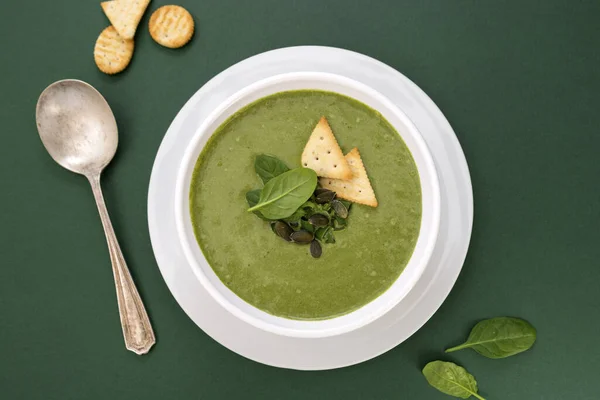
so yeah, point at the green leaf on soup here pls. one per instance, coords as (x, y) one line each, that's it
(284, 194)
(319, 233)
(268, 167)
(499, 337)
(325, 234)
(312, 208)
(252, 198)
(309, 206)
(329, 236)
(340, 223)
(307, 226)
(299, 213)
(451, 379)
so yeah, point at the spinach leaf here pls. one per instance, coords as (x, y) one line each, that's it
(284, 194)
(325, 234)
(339, 223)
(451, 379)
(295, 217)
(320, 232)
(499, 337)
(325, 207)
(307, 226)
(309, 206)
(328, 237)
(252, 198)
(312, 208)
(268, 167)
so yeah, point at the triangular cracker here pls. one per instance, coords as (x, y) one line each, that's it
(323, 154)
(357, 189)
(125, 15)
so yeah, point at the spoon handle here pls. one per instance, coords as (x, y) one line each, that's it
(137, 331)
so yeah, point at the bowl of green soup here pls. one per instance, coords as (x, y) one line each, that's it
(367, 268)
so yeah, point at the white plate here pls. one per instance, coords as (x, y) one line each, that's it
(399, 323)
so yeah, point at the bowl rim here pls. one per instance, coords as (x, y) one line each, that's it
(182, 205)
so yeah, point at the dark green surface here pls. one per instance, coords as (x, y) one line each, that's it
(518, 80)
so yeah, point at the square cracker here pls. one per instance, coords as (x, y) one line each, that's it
(323, 154)
(358, 189)
(125, 15)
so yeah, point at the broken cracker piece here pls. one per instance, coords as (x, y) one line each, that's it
(125, 15)
(323, 154)
(112, 53)
(358, 189)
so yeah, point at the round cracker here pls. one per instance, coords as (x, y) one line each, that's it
(171, 26)
(112, 53)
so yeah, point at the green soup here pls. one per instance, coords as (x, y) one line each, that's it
(281, 278)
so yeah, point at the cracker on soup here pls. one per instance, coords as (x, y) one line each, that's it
(323, 154)
(357, 189)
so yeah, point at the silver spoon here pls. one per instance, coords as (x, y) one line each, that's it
(79, 131)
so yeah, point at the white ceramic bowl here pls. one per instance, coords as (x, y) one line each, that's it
(429, 222)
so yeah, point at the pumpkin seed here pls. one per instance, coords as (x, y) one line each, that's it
(319, 191)
(283, 230)
(324, 197)
(319, 220)
(302, 237)
(340, 209)
(315, 249)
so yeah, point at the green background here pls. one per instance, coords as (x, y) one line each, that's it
(518, 80)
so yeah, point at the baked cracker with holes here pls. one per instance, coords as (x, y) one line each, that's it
(112, 53)
(125, 15)
(323, 154)
(358, 189)
(171, 26)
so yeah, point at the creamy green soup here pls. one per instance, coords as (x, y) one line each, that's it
(281, 278)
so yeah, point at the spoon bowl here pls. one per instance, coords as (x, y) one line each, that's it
(77, 126)
(79, 130)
